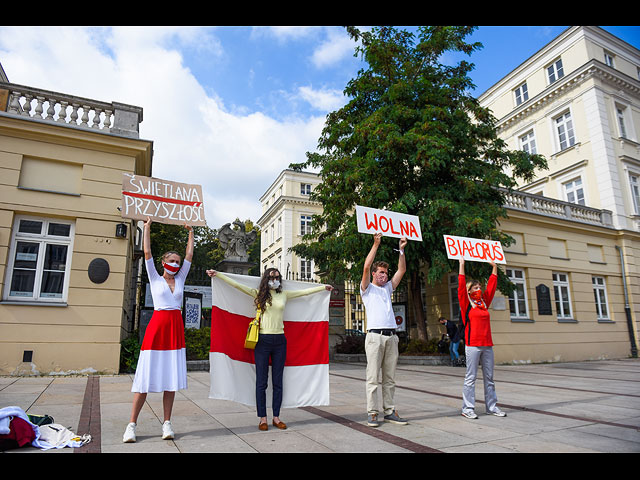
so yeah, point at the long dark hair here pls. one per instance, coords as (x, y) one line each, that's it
(264, 295)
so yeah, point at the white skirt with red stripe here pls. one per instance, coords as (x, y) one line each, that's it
(162, 365)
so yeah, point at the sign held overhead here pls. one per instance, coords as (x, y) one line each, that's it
(389, 224)
(163, 201)
(474, 249)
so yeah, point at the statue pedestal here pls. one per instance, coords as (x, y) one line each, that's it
(230, 265)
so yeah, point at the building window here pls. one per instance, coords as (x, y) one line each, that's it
(305, 189)
(574, 192)
(305, 224)
(521, 93)
(620, 114)
(564, 130)
(518, 298)
(634, 180)
(608, 59)
(562, 295)
(39, 260)
(555, 71)
(305, 269)
(600, 296)
(528, 143)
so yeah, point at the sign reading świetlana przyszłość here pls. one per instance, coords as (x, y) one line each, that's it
(162, 201)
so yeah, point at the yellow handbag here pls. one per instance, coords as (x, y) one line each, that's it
(253, 332)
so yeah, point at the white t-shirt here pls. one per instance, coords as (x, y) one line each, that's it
(377, 304)
(163, 297)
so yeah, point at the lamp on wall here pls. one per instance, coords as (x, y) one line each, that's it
(121, 230)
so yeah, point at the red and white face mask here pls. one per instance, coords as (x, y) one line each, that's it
(476, 296)
(171, 268)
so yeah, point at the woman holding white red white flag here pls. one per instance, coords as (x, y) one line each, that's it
(271, 299)
(162, 365)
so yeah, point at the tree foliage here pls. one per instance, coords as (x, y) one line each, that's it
(413, 140)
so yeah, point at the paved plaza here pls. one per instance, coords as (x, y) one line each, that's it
(552, 408)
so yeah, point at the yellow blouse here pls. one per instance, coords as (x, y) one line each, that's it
(272, 320)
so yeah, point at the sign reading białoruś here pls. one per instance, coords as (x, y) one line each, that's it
(163, 201)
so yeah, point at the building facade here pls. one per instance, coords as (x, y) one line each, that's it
(575, 260)
(67, 258)
(577, 102)
(286, 216)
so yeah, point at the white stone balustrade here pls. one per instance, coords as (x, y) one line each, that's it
(60, 108)
(557, 208)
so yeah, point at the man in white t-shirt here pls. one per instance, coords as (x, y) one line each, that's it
(381, 342)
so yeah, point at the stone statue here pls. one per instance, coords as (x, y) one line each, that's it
(236, 242)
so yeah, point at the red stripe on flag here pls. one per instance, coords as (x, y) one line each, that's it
(228, 331)
(162, 199)
(307, 342)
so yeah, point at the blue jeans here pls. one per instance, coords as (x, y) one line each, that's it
(274, 348)
(453, 350)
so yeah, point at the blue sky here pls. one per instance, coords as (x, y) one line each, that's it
(228, 107)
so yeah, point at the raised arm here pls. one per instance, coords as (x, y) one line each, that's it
(463, 296)
(188, 256)
(146, 239)
(366, 271)
(402, 264)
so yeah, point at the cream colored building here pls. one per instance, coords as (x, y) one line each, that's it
(67, 258)
(577, 102)
(577, 226)
(286, 217)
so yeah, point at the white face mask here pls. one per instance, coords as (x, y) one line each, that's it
(171, 268)
(274, 284)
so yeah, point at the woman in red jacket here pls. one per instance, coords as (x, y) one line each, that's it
(476, 321)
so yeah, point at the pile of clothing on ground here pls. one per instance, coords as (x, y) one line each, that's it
(19, 429)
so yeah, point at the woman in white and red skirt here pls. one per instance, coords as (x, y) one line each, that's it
(162, 365)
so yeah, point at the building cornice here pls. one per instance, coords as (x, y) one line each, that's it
(591, 69)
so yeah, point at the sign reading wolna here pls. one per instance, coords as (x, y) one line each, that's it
(474, 249)
(389, 224)
(162, 200)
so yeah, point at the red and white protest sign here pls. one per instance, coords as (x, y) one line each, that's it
(162, 200)
(389, 224)
(474, 249)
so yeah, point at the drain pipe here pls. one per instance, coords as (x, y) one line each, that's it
(627, 308)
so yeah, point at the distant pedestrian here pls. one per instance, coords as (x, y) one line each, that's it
(474, 304)
(381, 341)
(454, 333)
(162, 366)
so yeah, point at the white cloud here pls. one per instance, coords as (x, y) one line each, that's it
(325, 100)
(234, 156)
(336, 48)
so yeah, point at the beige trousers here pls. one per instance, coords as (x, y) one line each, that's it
(382, 358)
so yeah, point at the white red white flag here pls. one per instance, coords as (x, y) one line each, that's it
(306, 326)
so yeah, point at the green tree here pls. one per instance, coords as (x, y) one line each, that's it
(411, 139)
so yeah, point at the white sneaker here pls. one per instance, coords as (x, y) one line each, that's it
(129, 434)
(469, 414)
(167, 431)
(498, 413)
